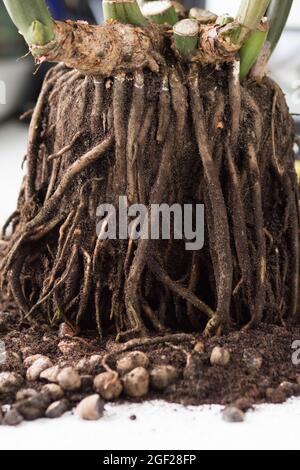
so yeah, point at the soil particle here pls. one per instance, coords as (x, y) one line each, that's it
(220, 357)
(65, 330)
(136, 383)
(12, 418)
(34, 371)
(57, 409)
(133, 418)
(276, 396)
(69, 379)
(54, 391)
(194, 369)
(67, 347)
(108, 385)
(252, 359)
(131, 361)
(163, 376)
(232, 414)
(51, 374)
(199, 347)
(9, 382)
(91, 408)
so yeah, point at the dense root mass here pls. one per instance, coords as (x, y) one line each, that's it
(186, 135)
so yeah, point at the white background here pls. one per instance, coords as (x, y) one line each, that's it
(158, 425)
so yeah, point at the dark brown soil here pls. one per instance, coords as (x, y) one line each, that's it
(199, 383)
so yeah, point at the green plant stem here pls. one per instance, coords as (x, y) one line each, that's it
(186, 35)
(160, 12)
(127, 12)
(249, 16)
(278, 14)
(33, 20)
(251, 49)
(202, 16)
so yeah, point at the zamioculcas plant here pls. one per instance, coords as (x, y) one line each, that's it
(160, 113)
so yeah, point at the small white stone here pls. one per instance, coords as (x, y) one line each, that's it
(69, 379)
(9, 382)
(91, 408)
(220, 357)
(34, 371)
(50, 374)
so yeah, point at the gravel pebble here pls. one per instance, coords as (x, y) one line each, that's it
(35, 407)
(10, 382)
(108, 385)
(163, 376)
(65, 330)
(51, 374)
(67, 347)
(83, 366)
(35, 370)
(252, 359)
(31, 359)
(131, 361)
(54, 391)
(231, 414)
(25, 393)
(95, 361)
(199, 347)
(12, 418)
(91, 408)
(136, 383)
(220, 357)
(57, 409)
(69, 379)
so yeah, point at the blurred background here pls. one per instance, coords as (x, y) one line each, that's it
(20, 82)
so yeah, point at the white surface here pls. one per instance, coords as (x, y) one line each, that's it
(158, 425)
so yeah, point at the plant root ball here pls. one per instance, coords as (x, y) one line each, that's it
(131, 361)
(163, 376)
(108, 385)
(91, 408)
(136, 383)
(220, 357)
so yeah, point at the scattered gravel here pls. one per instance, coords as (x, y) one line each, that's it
(131, 361)
(35, 370)
(108, 385)
(91, 408)
(69, 379)
(136, 383)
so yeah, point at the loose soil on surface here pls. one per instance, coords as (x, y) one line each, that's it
(243, 381)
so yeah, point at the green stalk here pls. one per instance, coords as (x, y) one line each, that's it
(33, 20)
(251, 49)
(160, 12)
(278, 14)
(202, 16)
(124, 11)
(186, 35)
(249, 16)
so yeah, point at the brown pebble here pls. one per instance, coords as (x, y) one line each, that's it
(136, 383)
(57, 409)
(220, 357)
(95, 361)
(69, 379)
(35, 407)
(252, 359)
(288, 388)
(35, 370)
(31, 359)
(131, 361)
(25, 393)
(108, 385)
(65, 330)
(91, 408)
(51, 374)
(163, 376)
(243, 404)
(83, 366)
(12, 418)
(232, 414)
(275, 396)
(10, 382)
(54, 391)
(199, 347)
(132, 418)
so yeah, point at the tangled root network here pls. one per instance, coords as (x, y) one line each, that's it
(191, 134)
